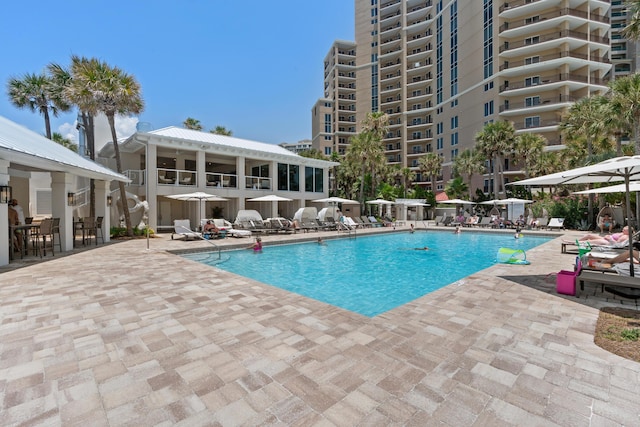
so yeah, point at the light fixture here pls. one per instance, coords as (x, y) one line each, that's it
(109, 200)
(71, 199)
(5, 193)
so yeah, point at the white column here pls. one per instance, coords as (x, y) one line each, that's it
(102, 189)
(5, 241)
(201, 177)
(240, 172)
(151, 183)
(61, 184)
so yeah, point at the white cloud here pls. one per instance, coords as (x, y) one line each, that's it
(69, 131)
(125, 126)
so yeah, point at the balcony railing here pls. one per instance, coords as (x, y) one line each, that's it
(136, 176)
(177, 177)
(537, 102)
(565, 77)
(555, 35)
(506, 65)
(221, 180)
(257, 183)
(511, 25)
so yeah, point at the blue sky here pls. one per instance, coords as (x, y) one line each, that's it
(255, 67)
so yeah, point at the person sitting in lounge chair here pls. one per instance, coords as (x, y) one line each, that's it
(606, 222)
(616, 239)
(210, 229)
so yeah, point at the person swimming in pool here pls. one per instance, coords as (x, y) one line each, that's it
(424, 248)
(257, 246)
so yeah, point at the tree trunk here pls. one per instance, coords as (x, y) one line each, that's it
(495, 177)
(123, 194)
(47, 121)
(87, 123)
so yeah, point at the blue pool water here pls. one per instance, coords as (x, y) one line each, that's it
(371, 274)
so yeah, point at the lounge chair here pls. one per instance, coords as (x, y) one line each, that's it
(364, 221)
(375, 222)
(225, 225)
(557, 223)
(182, 227)
(485, 221)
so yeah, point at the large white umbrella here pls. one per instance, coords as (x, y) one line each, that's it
(618, 169)
(270, 198)
(458, 202)
(618, 188)
(199, 196)
(336, 200)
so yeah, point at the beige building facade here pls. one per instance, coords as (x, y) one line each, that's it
(443, 69)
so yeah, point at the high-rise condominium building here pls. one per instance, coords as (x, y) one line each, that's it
(442, 69)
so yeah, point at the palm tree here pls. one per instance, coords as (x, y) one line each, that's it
(220, 130)
(495, 140)
(408, 176)
(456, 188)
(106, 89)
(625, 97)
(191, 123)
(376, 123)
(366, 151)
(37, 92)
(469, 163)
(65, 142)
(585, 118)
(527, 148)
(431, 165)
(632, 30)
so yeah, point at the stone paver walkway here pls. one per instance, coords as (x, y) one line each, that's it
(122, 335)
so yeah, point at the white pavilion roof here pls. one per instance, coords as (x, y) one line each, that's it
(28, 150)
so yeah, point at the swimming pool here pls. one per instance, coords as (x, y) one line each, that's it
(371, 274)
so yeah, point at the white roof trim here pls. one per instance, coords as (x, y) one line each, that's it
(22, 146)
(216, 144)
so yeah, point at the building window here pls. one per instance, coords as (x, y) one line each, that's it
(532, 101)
(532, 122)
(288, 177)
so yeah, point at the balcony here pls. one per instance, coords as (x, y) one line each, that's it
(518, 23)
(257, 183)
(221, 180)
(554, 36)
(562, 78)
(537, 104)
(176, 177)
(540, 61)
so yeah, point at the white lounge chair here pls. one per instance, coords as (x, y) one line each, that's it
(556, 223)
(182, 227)
(223, 224)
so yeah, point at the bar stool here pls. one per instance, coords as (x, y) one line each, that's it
(46, 230)
(54, 231)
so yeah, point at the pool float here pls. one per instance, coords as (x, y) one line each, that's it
(512, 256)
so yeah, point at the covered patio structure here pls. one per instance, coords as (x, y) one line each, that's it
(25, 154)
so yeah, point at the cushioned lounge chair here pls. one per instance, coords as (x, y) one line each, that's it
(182, 228)
(225, 225)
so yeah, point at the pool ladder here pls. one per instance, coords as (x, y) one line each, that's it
(216, 247)
(351, 231)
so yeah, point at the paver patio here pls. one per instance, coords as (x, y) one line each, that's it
(122, 335)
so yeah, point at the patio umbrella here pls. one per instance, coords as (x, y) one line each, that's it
(335, 200)
(458, 202)
(270, 198)
(618, 169)
(199, 196)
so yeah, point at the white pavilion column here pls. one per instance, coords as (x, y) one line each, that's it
(61, 185)
(241, 180)
(151, 183)
(5, 245)
(102, 189)
(201, 179)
